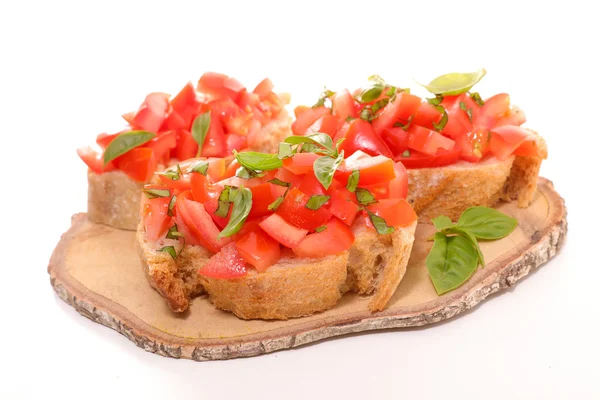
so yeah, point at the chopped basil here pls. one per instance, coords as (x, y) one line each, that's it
(379, 223)
(324, 168)
(171, 206)
(379, 105)
(156, 193)
(353, 180)
(321, 139)
(125, 142)
(321, 228)
(454, 83)
(378, 80)
(370, 94)
(279, 182)
(170, 250)
(285, 151)
(225, 201)
(364, 197)
(275, 205)
(242, 204)
(462, 106)
(404, 126)
(442, 124)
(254, 161)
(338, 143)
(436, 101)
(200, 128)
(406, 153)
(477, 99)
(391, 91)
(173, 173)
(173, 233)
(327, 94)
(316, 201)
(469, 111)
(245, 173)
(199, 166)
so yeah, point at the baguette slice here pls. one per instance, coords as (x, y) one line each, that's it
(294, 287)
(114, 198)
(452, 189)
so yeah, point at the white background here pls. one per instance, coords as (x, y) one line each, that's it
(68, 70)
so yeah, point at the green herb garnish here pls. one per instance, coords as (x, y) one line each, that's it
(353, 181)
(225, 201)
(125, 142)
(316, 201)
(379, 224)
(199, 166)
(242, 204)
(156, 193)
(258, 162)
(442, 124)
(365, 197)
(173, 233)
(324, 168)
(200, 128)
(171, 206)
(477, 99)
(320, 228)
(275, 205)
(170, 250)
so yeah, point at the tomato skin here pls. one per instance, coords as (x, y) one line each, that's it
(211, 206)
(226, 264)
(458, 120)
(285, 175)
(94, 160)
(259, 249)
(186, 146)
(201, 225)
(306, 118)
(398, 187)
(264, 88)
(216, 169)
(235, 142)
(301, 163)
(202, 188)
(372, 170)
(395, 212)
(162, 145)
(218, 86)
(156, 219)
(506, 139)
(515, 116)
(282, 231)
(343, 206)
(401, 109)
(361, 136)
(214, 143)
(179, 185)
(426, 115)
(310, 185)
(139, 164)
(427, 141)
(293, 210)
(326, 124)
(262, 197)
(492, 110)
(528, 148)
(473, 145)
(344, 105)
(152, 113)
(336, 238)
(396, 138)
(421, 160)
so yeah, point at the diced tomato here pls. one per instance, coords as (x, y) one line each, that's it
(139, 164)
(300, 163)
(326, 124)
(421, 160)
(344, 105)
(293, 209)
(396, 139)
(264, 88)
(190, 239)
(259, 249)
(426, 115)
(216, 169)
(152, 113)
(235, 142)
(179, 185)
(219, 86)
(214, 143)
(285, 175)
(343, 206)
(493, 109)
(201, 225)
(308, 117)
(372, 170)
(310, 185)
(262, 197)
(202, 188)
(231, 169)
(282, 231)
(226, 264)
(173, 122)
(211, 206)
(156, 219)
(128, 117)
(515, 116)
(94, 160)
(186, 146)
(427, 141)
(401, 109)
(459, 122)
(528, 148)
(104, 139)
(162, 145)
(336, 238)
(398, 187)
(299, 110)
(395, 212)
(473, 145)
(184, 108)
(361, 136)
(506, 139)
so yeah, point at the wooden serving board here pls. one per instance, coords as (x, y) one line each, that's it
(96, 269)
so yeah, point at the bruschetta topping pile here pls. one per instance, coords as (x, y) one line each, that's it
(454, 125)
(301, 201)
(211, 119)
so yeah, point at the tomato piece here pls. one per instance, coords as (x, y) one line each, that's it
(262, 197)
(308, 117)
(152, 113)
(336, 238)
(216, 169)
(473, 145)
(310, 185)
(344, 105)
(326, 124)
(202, 188)
(398, 187)
(426, 115)
(343, 206)
(492, 110)
(219, 86)
(211, 206)
(528, 148)
(395, 212)
(162, 145)
(286, 175)
(301, 163)
(173, 122)
(396, 139)
(231, 169)
(214, 143)
(235, 142)
(139, 164)
(156, 219)
(282, 231)
(506, 139)
(299, 110)
(372, 170)
(401, 109)
(226, 264)
(190, 239)
(104, 139)
(361, 136)
(293, 209)
(94, 160)
(201, 225)
(259, 249)
(186, 146)
(427, 141)
(264, 88)
(459, 122)
(420, 160)
(184, 108)
(515, 116)
(179, 185)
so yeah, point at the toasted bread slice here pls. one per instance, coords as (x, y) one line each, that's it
(114, 198)
(452, 189)
(294, 287)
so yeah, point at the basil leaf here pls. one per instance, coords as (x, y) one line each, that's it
(353, 181)
(124, 142)
(244, 173)
(486, 223)
(156, 193)
(339, 143)
(370, 94)
(254, 161)
(275, 205)
(391, 91)
(436, 101)
(366, 114)
(451, 261)
(171, 206)
(285, 151)
(364, 197)
(406, 153)
(199, 166)
(324, 168)
(454, 83)
(200, 128)
(242, 204)
(442, 124)
(378, 80)
(170, 250)
(278, 182)
(442, 222)
(477, 99)
(404, 126)
(173, 233)
(316, 201)
(379, 223)
(462, 106)
(327, 94)
(320, 228)
(318, 138)
(470, 238)
(224, 202)
(379, 105)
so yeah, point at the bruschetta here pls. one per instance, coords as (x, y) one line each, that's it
(459, 150)
(210, 119)
(279, 235)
